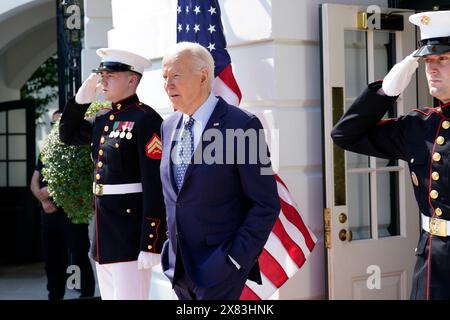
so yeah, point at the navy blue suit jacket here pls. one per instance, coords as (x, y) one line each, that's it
(222, 208)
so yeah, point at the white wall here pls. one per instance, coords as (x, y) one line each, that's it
(276, 59)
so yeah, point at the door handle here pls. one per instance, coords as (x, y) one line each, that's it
(345, 235)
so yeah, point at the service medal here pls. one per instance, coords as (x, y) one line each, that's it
(129, 135)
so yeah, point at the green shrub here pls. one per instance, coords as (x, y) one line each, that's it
(68, 173)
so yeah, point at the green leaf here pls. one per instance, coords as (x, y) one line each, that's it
(68, 170)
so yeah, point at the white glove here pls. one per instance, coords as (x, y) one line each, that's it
(400, 75)
(88, 90)
(146, 260)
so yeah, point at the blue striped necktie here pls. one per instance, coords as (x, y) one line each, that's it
(185, 150)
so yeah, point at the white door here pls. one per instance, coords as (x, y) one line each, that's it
(371, 217)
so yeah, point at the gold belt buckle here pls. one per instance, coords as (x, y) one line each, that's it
(98, 190)
(438, 227)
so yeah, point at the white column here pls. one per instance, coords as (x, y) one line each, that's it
(97, 22)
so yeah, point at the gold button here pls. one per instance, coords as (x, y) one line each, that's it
(116, 145)
(438, 212)
(436, 156)
(438, 109)
(100, 164)
(153, 224)
(119, 106)
(111, 117)
(434, 194)
(106, 128)
(435, 176)
(100, 152)
(150, 247)
(128, 210)
(150, 235)
(102, 140)
(412, 160)
(440, 140)
(97, 176)
(446, 124)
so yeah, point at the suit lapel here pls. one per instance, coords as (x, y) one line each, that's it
(170, 144)
(215, 122)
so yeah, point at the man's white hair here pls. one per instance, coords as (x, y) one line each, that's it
(200, 55)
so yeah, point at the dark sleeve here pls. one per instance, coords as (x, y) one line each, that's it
(74, 129)
(260, 189)
(154, 212)
(39, 164)
(362, 130)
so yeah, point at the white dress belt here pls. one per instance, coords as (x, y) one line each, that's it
(105, 189)
(436, 226)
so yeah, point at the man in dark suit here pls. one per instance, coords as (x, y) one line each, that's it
(221, 197)
(126, 150)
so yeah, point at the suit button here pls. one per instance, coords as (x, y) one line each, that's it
(440, 140)
(412, 160)
(150, 247)
(446, 124)
(111, 117)
(128, 210)
(118, 106)
(116, 145)
(435, 176)
(153, 224)
(106, 128)
(150, 235)
(434, 194)
(102, 140)
(100, 152)
(100, 164)
(97, 176)
(438, 212)
(436, 156)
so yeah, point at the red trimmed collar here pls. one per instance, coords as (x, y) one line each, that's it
(445, 108)
(122, 104)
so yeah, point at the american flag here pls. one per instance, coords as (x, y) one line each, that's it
(290, 241)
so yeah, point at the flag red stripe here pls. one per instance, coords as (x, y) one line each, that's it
(294, 217)
(280, 181)
(294, 251)
(248, 294)
(227, 76)
(272, 269)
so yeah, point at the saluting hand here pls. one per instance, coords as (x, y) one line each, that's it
(400, 75)
(88, 90)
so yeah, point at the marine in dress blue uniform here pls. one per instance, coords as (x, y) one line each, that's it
(422, 138)
(126, 151)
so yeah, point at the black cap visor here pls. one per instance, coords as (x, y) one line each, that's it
(114, 67)
(433, 46)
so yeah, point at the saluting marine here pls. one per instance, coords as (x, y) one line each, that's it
(130, 223)
(422, 138)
